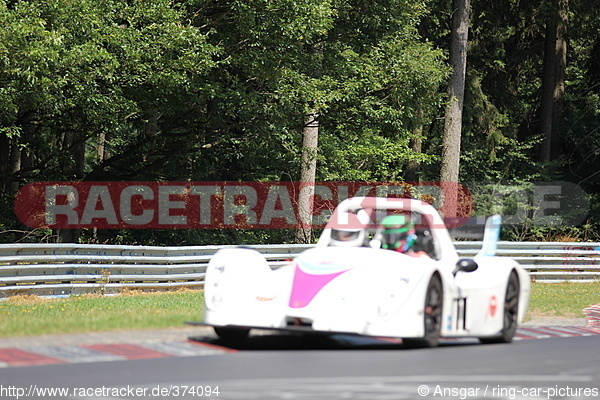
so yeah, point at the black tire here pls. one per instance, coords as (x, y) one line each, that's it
(511, 312)
(432, 316)
(230, 333)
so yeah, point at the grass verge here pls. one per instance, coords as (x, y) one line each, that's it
(32, 315)
(563, 299)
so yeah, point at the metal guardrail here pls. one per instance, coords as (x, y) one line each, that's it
(548, 261)
(67, 269)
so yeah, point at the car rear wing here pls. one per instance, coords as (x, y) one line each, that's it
(491, 236)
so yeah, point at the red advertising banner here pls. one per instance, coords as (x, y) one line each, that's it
(212, 205)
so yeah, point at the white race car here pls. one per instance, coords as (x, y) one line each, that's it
(349, 283)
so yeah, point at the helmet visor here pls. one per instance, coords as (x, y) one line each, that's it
(401, 239)
(344, 236)
(395, 237)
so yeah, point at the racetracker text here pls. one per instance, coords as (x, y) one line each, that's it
(157, 391)
(206, 205)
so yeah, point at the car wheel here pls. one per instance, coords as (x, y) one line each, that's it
(230, 333)
(432, 316)
(511, 312)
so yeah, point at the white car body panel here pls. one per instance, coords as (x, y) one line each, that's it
(362, 290)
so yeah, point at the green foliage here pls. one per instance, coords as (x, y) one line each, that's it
(537, 211)
(219, 90)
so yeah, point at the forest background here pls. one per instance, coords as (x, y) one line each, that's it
(215, 90)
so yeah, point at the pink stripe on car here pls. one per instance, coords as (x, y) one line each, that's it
(306, 286)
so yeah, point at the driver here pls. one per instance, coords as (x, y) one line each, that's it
(347, 237)
(399, 234)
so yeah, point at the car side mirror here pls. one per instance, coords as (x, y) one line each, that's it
(465, 265)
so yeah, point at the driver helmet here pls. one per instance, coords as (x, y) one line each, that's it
(398, 233)
(347, 237)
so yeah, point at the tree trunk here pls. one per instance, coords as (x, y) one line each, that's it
(553, 81)
(413, 167)
(101, 147)
(453, 117)
(102, 235)
(560, 65)
(151, 128)
(546, 101)
(308, 172)
(75, 144)
(5, 144)
(14, 166)
(75, 169)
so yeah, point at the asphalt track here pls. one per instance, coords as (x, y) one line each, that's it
(560, 364)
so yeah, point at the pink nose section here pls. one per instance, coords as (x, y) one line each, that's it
(306, 286)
